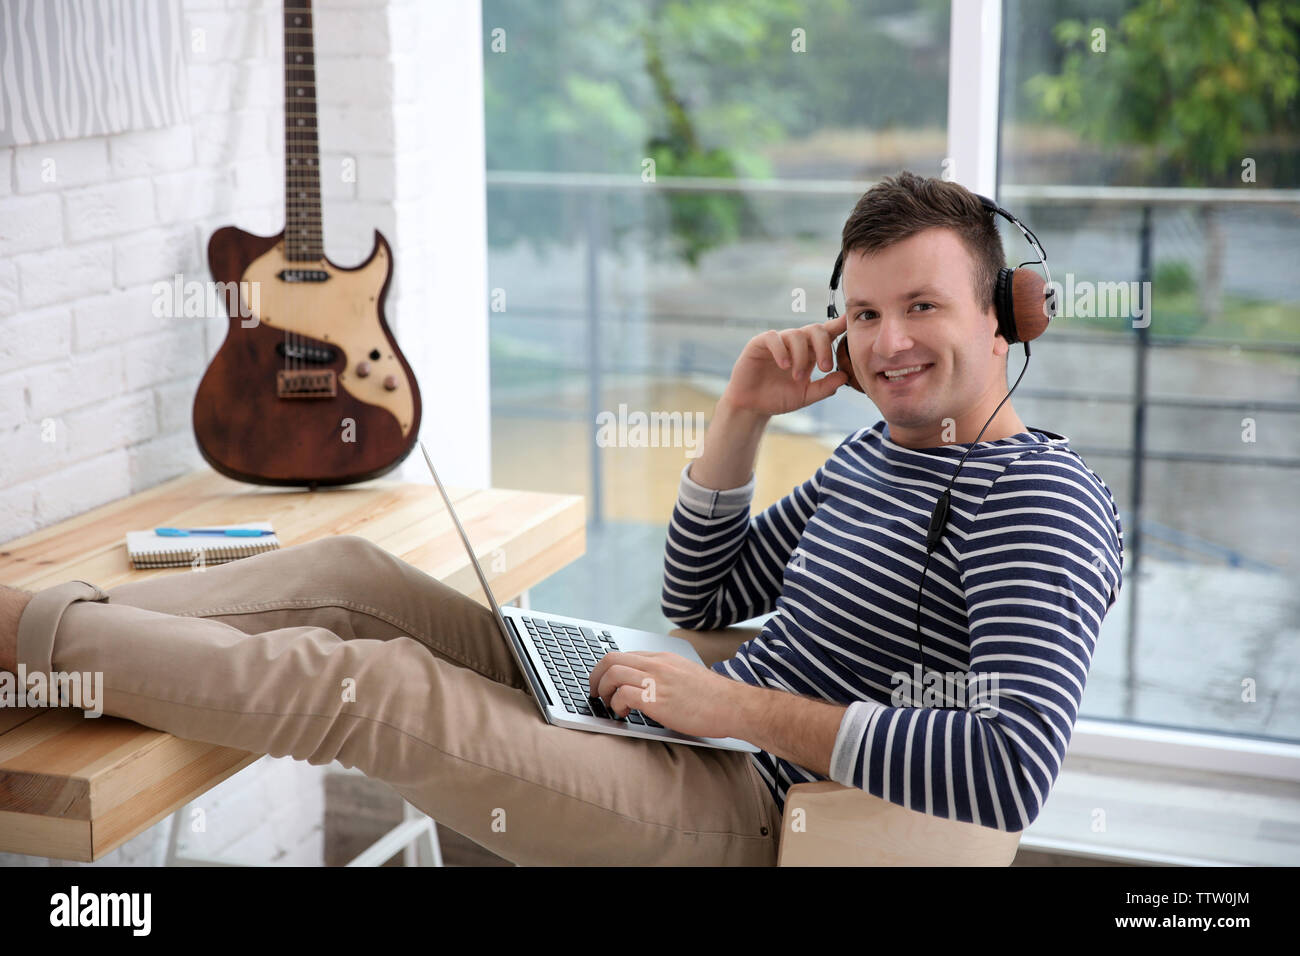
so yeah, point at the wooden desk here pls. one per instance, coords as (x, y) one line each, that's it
(75, 788)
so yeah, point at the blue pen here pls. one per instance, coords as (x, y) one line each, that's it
(224, 532)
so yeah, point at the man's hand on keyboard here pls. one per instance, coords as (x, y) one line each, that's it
(678, 693)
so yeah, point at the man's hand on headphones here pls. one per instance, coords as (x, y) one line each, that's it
(774, 372)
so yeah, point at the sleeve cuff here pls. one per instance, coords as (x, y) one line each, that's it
(711, 502)
(848, 741)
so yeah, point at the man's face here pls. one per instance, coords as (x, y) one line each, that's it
(913, 303)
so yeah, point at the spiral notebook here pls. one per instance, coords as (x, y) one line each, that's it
(149, 550)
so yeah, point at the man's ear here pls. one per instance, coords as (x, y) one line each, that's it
(1000, 345)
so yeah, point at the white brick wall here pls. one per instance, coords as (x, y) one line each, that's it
(86, 227)
(31, 222)
(54, 167)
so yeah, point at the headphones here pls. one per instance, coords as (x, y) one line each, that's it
(1024, 304)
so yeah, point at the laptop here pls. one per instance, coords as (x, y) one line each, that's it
(557, 654)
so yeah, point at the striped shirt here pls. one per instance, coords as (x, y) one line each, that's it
(1014, 596)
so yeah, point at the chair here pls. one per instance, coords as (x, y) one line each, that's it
(828, 824)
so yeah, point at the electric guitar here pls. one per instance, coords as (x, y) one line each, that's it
(309, 386)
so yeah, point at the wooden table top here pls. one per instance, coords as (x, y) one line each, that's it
(76, 788)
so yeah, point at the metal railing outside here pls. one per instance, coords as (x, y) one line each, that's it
(595, 187)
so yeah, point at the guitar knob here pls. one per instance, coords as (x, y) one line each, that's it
(363, 369)
(390, 382)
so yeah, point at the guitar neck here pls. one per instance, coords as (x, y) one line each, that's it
(302, 213)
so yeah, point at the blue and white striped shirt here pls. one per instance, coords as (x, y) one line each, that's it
(1028, 566)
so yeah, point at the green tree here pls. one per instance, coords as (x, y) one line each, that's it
(1193, 81)
(702, 88)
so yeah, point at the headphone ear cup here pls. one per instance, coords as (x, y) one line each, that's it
(1003, 306)
(1031, 304)
(843, 364)
(1020, 300)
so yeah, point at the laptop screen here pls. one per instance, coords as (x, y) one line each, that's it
(487, 590)
(516, 647)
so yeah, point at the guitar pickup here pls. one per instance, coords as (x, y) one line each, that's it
(306, 353)
(303, 275)
(306, 383)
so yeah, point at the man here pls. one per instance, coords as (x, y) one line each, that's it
(1015, 593)
(255, 654)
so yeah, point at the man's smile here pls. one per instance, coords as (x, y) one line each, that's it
(903, 374)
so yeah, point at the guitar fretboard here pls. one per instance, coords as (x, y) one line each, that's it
(302, 226)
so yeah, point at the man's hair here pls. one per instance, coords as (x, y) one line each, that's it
(900, 206)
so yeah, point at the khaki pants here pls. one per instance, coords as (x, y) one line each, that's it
(258, 655)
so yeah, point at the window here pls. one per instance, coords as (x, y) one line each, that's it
(665, 181)
(1184, 194)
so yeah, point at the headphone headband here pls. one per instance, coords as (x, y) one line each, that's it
(1030, 238)
(992, 207)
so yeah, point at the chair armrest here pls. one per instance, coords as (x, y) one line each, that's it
(845, 826)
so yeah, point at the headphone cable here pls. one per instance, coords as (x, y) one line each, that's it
(939, 518)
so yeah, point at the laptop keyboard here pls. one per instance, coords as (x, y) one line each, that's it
(571, 653)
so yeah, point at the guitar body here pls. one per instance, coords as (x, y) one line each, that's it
(309, 386)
